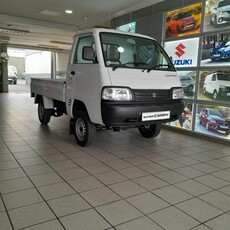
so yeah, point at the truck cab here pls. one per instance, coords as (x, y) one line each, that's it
(119, 80)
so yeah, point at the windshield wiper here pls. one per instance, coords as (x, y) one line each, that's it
(159, 67)
(127, 63)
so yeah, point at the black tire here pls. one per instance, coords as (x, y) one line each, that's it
(190, 88)
(178, 29)
(150, 131)
(215, 95)
(205, 92)
(84, 129)
(169, 30)
(44, 115)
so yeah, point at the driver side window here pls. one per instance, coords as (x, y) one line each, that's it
(82, 42)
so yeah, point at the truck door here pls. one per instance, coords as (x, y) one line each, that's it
(83, 79)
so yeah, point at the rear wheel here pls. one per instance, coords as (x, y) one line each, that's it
(149, 131)
(205, 91)
(44, 115)
(85, 130)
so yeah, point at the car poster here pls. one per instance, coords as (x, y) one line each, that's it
(185, 119)
(183, 21)
(217, 15)
(214, 85)
(216, 50)
(188, 79)
(130, 27)
(184, 52)
(213, 120)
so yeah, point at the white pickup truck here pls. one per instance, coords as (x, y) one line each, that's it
(115, 80)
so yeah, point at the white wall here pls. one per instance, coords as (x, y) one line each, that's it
(38, 62)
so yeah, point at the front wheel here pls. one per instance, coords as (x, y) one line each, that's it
(44, 115)
(85, 130)
(215, 95)
(149, 131)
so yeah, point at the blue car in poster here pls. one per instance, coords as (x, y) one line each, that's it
(221, 52)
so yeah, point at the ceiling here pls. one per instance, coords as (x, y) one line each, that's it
(44, 23)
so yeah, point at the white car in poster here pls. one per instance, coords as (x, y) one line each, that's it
(221, 12)
(217, 84)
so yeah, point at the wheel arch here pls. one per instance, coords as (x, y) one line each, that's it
(78, 106)
(48, 102)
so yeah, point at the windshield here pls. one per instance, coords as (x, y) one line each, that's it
(184, 15)
(224, 3)
(127, 51)
(215, 113)
(223, 77)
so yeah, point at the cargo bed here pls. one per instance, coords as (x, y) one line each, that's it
(50, 88)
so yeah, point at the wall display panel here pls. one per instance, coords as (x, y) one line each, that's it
(214, 85)
(213, 120)
(188, 82)
(183, 52)
(185, 119)
(216, 50)
(217, 15)
(130, 27)
(184, 21)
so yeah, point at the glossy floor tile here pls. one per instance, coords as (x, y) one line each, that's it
(122, 182)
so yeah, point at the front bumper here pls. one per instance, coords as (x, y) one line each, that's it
(118, 114)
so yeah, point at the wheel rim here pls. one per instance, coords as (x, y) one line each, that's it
(41, 111)
(80, 128)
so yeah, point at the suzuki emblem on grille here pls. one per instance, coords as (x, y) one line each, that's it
(154, 95)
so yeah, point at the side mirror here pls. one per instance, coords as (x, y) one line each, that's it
(88, 53)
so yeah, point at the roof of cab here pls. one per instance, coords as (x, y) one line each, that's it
(97, 30)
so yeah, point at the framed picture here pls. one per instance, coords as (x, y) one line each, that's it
(217, 15)
(130, 27)
(183, 21)
(216, 50)
(213, 120)
(188, 82)
(214, 85)
(185, 119)
(184, 52)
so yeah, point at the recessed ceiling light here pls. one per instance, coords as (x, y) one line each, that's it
(69, 11)
(50, 13)
(13, 31)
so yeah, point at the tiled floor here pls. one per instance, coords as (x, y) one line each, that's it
(123, 182)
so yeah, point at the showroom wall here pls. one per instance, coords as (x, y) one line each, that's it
(199, 45)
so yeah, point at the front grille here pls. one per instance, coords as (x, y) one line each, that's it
(151, 95)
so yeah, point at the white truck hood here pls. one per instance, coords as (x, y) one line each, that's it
(138, 79)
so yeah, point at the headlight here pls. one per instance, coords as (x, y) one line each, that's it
(116, 94)
(177, 93)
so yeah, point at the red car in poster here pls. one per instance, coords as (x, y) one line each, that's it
(214, 120)
(181, 22)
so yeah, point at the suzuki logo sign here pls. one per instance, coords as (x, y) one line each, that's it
(183, 52)
(180, 50)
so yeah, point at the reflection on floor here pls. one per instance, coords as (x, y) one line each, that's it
(173, 182)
